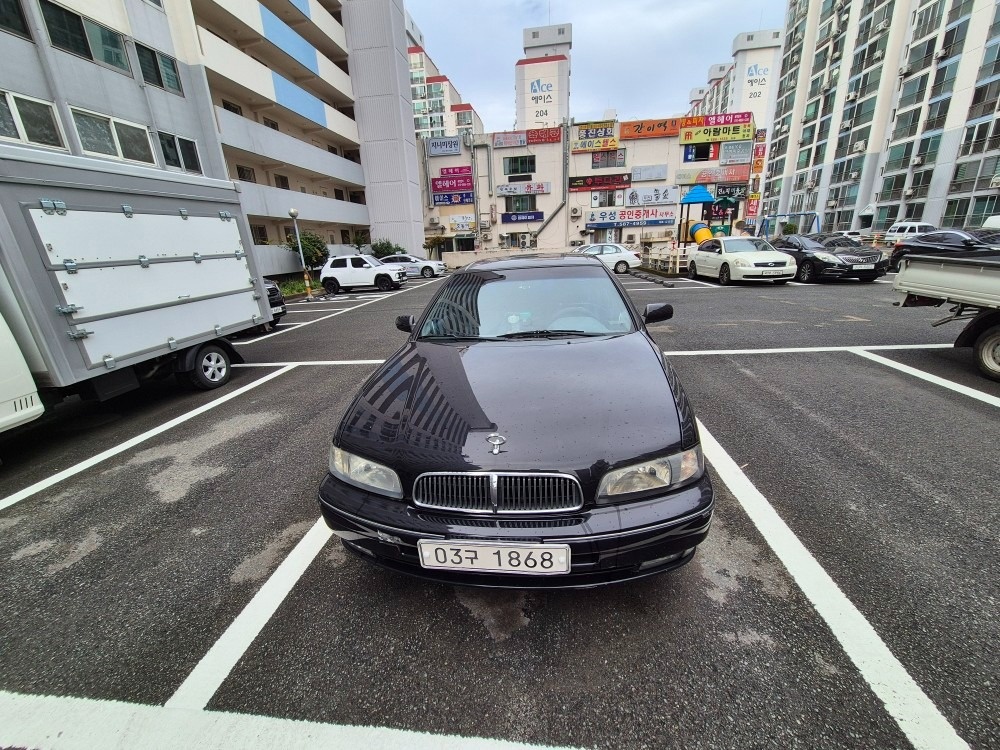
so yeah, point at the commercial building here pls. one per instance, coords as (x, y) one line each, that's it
(260, 93)
(887, 110)
(542, 77)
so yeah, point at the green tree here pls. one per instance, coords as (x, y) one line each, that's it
(790, 228)
(313, 248)
(382, 248)
(435, 245)
(359, 240)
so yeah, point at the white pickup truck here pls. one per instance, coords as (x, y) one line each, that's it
(970, 283)
(111, 274)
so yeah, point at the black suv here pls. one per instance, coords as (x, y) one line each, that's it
(276, 300)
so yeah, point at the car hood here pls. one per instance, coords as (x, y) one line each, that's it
(763, 256)
(572, 405)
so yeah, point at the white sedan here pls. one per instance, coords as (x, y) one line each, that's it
(617, 257)
(740, 259)
(417, 266)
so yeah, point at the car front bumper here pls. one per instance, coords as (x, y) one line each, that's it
(608, 544)
(831, 271)
(758, 274)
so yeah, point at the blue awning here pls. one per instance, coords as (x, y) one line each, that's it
(698, 194)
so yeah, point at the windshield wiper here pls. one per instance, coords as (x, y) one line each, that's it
(455, 337)
(546, 333)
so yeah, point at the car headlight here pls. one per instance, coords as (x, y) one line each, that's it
(827, 258)
(364, 473)
(658, 474)
(790, 261)
(741, 263)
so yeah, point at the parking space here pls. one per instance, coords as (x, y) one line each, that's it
(844, 598)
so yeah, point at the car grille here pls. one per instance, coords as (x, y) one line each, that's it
(860, 258)
(498, 492)
(770, 264)
(274, 295)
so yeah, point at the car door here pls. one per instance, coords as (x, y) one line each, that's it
(709, 257)
(412, 264)
(790, 245)
(359, 274)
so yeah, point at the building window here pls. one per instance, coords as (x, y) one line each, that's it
(158, 69)
(28, 120)
(605, 198)
(245, 174)
(517, 203)
(345, 236)
(109, 136)
(281, 181)
(518, 164)
(81, 36)
(180, 153)
(534, 35)
(258, 232)
(333, 150)
(338, 194)
(268, 122)
(12, 18)
(236, 109)
(954, 213)
(463, 118)
(357, 196)
(606, 159)
(983, 206)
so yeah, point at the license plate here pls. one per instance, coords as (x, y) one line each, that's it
(495, 557)
(278, 309)
(864, 267)
(775, 272)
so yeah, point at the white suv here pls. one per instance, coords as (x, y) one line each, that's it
(348, 271)
(417, 266)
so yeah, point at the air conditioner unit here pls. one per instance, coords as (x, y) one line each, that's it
(524, 241)
(941, 54)
(855, 175)
(827, 86)
(908, 193)
(904, 71)
(802, 141)
(831, 204)
(575, 212)
(860, 146)
(852, 95)
(767, 193)
(916, 161)
(882, 26)
(811, 185)
(840, 5)
(794, 58)
(630, 238)
(835, 55)
(767, 174)
(487, 236)
(845, 125)
(434, 221)
(484, 224)
(877, 54)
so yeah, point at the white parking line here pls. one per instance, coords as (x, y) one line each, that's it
(326, 362)
(916, 714)
(806, 349)
(986, 398)
(703, 283)
(58, 723)
(122, 447)
(327, 317)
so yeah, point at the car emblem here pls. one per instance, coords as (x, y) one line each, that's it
(496, 441)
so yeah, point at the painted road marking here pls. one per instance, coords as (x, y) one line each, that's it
(916, 714)
(316, 362)
(807, 350)
(206, 678)
(138, 439)
(327, 317)
(957, 387)
(51, 723)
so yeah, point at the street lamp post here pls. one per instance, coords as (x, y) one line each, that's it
(294, 213)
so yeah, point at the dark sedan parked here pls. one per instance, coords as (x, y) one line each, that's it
(831, 257)
(488, 450)
(946, 241)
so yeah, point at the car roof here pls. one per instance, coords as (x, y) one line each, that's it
(532, 260)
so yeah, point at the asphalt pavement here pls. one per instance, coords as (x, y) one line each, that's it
(166, 582)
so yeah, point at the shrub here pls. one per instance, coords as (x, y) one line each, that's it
(313, 248)
(382, 248)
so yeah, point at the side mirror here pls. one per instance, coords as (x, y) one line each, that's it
(969, 242)
(656, 312)
(366, 265)
(405, 323)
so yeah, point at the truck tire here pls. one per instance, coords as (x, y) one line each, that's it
(988, 352)
(212, 368)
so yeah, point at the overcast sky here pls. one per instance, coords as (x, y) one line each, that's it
(638, 57)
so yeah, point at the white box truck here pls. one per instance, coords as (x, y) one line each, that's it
(112, 273)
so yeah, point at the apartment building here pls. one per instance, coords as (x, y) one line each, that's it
(438, 109)
(259, 93)
(887, 111)
(542, 77)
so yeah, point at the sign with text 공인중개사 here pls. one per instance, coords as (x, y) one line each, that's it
(524, 188)
(735, 152)
(451, 184)
(714, 133)
(456, 171)
(631, 217)
(652, 195)
(453, 199)
(635, 129)
(522, 216)
(600, 182)
(447, 146)
(707, 175)
(593, 144)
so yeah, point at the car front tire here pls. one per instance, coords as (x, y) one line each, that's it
(331, 286)
(724, 276)
(383, 284)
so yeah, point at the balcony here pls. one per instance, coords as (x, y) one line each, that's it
(904, 131)
(920, 191)
(962, 186)
(891, 195)
(982, 110)
(935, 123)
(262, 200)
(314, 23)
(944, 87)
(989, 70)
(962, 10)
(894, 164)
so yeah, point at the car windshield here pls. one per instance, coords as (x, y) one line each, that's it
(986, 236)
(527, 302)
(746, 245)
(372, 260)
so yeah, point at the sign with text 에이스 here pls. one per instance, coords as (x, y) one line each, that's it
(593, 144)
(447, 146)
(450, 184)
(453, 199)
(522, 216)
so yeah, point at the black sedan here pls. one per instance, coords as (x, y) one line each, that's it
(493, 448)
(831, 257)
(944, 242)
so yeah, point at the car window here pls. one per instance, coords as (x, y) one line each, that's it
(338, 263)
(358, 262)
(937, 237)
(709, 246)
(746, 245)
(371, 260)
(927, 227)
(516, 301)
(595, 250)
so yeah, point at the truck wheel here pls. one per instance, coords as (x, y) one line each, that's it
(988, 352)
(211, 368)
(384, 283)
